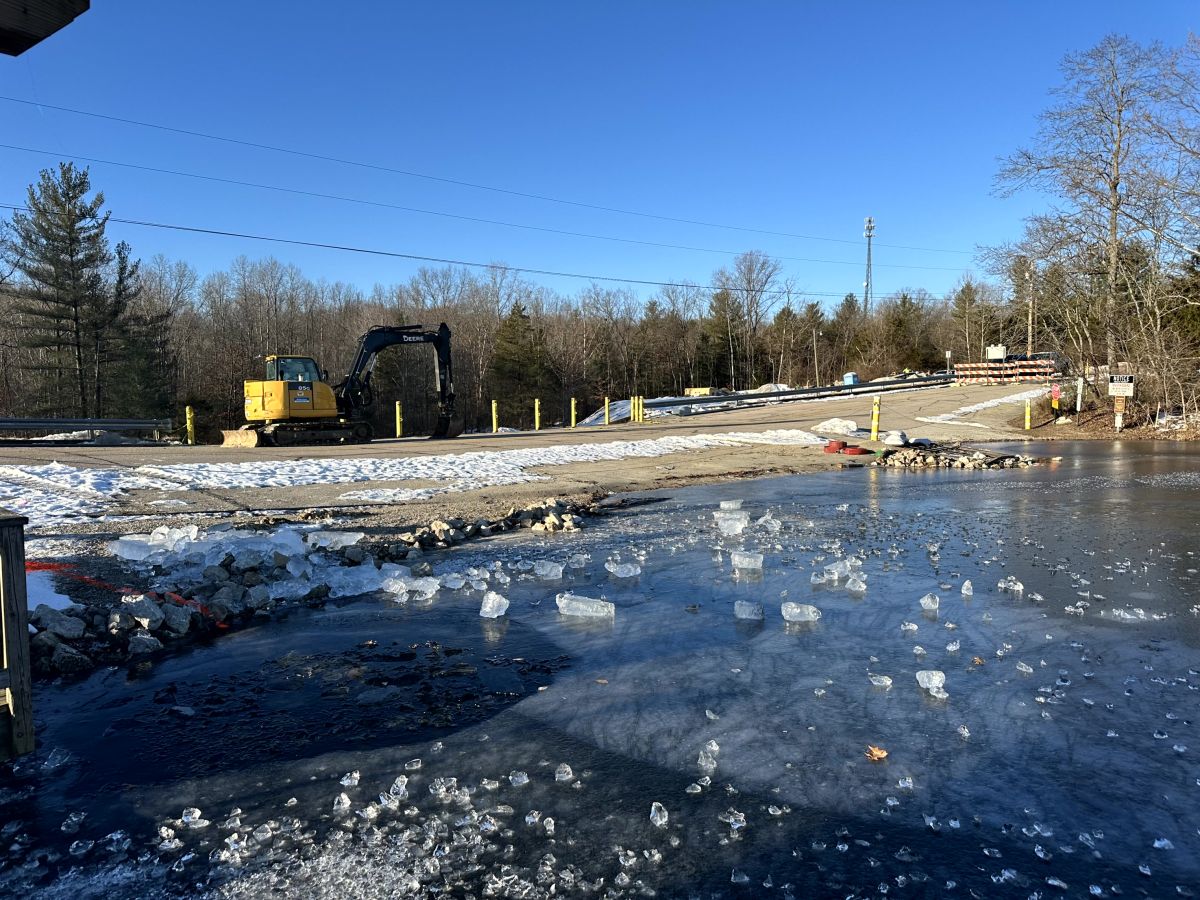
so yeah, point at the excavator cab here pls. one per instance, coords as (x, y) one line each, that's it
(295, 403)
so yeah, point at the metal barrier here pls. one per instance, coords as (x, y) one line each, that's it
(85, 424)
(839, 390)
(16, 688)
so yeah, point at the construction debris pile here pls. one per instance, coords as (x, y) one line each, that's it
(950, 456)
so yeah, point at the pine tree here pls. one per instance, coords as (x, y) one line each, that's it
(519, 372)
(60, 250)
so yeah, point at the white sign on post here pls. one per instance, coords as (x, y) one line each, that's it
(1120, 385)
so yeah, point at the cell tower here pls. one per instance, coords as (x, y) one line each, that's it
(868, 233)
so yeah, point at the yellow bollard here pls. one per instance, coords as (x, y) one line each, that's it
(572, 412)
(1028, 415)
(399, 420)
(495, 418)
(537, 415)
(606, 418)
(191, 425)
(633, 409)
(875, 417)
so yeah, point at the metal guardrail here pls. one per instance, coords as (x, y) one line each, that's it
(16, 684)
(837, 390)
(85, 424)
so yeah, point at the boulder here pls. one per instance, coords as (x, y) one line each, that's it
(145, 611)
(177, 619)
(69, 661)
(215, 573)
(57, 622)
(258, 597)
(120, 621)
(143, 643)
(44, 643)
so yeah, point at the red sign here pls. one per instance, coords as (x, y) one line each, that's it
(1056, 392)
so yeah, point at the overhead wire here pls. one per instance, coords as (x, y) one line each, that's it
(428, 212)
(307, 154)
(396, 254)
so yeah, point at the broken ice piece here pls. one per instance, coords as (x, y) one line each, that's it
(518, 778)
(856, 584)
(710, 715)
(564, 773)
(549, 571)
(907, 626)
(931, 678)
(799, 612)
(930, 602)
(574, 605)
(350, 779)
(731, 504)
(493, 606)
(740, 559)
(968, 589)
(747, 609)
(623, 570)
(964, 732)
(731, 522)
(658, 814)
(882, 681)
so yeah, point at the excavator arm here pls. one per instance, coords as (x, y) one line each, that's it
(355, 394)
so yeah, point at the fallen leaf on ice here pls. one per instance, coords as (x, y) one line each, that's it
(875, 754)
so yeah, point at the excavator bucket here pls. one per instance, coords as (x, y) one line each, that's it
(241, 437)
(447, 427)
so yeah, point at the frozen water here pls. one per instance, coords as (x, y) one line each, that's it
(883, 681)
(741, 559)
(731, 504)
(730, 522)
(623, 570)
(856, 584)
(747, 609)
(968, 589)
(548, 571)
(799, 612)
(931, 678)
(658, 814)
(930, 602)
(574, 605)
(493, 606)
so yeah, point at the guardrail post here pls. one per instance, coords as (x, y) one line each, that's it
(190, 415)
(495, 417)
(399, 420)
(607, 420)
(875, 417)
(16, 688)
(573, 412)
(537, 415)
(1028, 415)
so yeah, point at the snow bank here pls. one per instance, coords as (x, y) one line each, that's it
(952, 417)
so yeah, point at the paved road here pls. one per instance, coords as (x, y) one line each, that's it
(900, 411)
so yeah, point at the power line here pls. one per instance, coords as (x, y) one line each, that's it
(430, 212)
(395, 254)
(454, 181)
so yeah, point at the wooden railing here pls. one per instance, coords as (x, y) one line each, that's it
(16, 690)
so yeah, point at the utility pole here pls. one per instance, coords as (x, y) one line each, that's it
(1029, 321)
(816, 368)
(868, 233)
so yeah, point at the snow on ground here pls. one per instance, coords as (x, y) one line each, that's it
(953, 417)
(57, 492)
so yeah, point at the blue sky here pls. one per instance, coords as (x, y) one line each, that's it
(787, 117)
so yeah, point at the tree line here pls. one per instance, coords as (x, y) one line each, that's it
(1109, 277)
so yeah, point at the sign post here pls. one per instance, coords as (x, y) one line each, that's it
(1120, 388)
(1055, 397)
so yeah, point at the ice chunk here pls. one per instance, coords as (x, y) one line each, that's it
(931, 678)
(351, 581)
(333, 540)
(574, 605)
(493, 606)
(930, 602)
(799, 612)
(1024, 668)
(769, 523)
(818, 578)
(731, 504)
(550, 571)
(658, 814)
(883, 681)
(1010, 585)
(908, 626)
(743, 560)
(953, 646)
(350, 779)
(706, 762)
(623, 570)
(731, 522)
(578, 560)
(518, 778)
(564, 773)
(747, 609)
(454, 582)
(968, 589)
(856, 584)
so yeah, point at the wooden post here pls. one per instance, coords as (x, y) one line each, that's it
(191, 425)
(875, 417)
(607, 420)
(1028, 415)
(573, 412)
(399, 420)
(495, 418)
(537, 415)
(16, 687)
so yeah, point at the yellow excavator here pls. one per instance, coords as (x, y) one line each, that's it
(295, 404)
